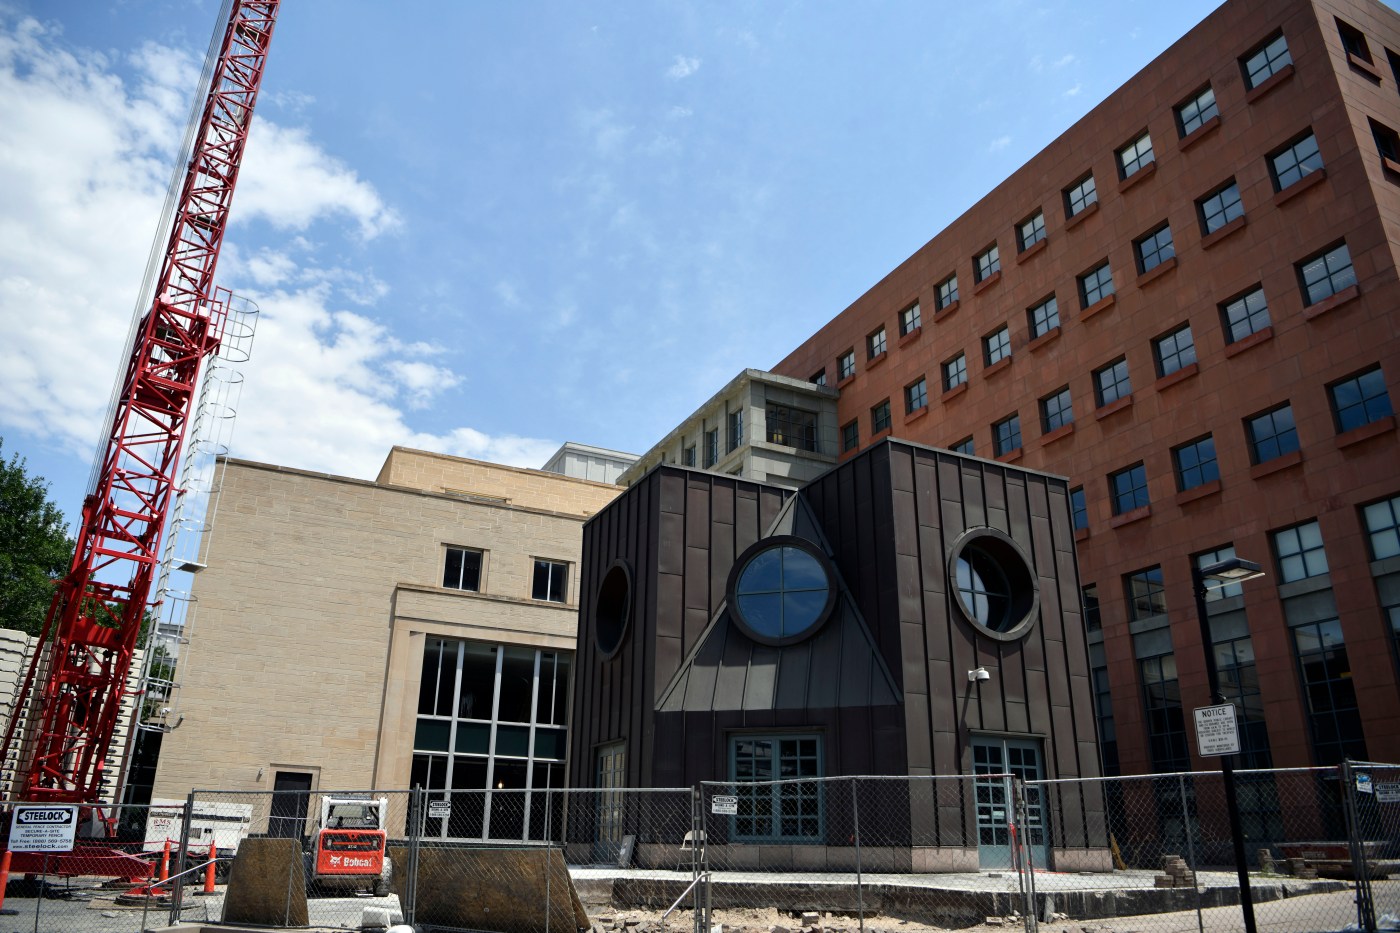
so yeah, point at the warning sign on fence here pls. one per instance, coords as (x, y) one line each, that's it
(43, 828)
(724, 805)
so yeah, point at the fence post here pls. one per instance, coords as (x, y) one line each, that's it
(178, 891)
(416, 818)
(1190, 850)
(697, 825)
(1365, 907)
(860, 880)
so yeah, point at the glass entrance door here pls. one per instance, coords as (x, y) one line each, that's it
(1019, 758)
(611, 784)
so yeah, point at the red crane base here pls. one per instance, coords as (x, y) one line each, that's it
(97, 861)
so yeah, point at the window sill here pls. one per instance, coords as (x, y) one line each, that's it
(954, 392)
(1156, 272)
(878, 436)
(990, 371)
(1363, 66)
(1390, 165)
(1269, 83)
(1102, 304)
(1331, 302)
(1247, 343)
(987, 283)
(1234, 226)
(1366, 432)
(1307, 182)
(1127, 518)
(1038, 247)
(842, 383)
(1011, 456)
(906, 339)
(1060, 433)
(916, 414)
(1138, 177)
(877, 359)
(945, 312)
(1181, 375)
(1050, 336)
(1081, 534)
(1077, 219)
(1260, 470)
(1114, 407)
(1199, 133)
(1195, 493)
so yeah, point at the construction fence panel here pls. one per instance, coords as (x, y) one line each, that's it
(1374, 791)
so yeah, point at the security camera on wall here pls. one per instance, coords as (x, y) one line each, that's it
(978, 676)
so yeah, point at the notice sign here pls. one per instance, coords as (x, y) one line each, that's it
(1388, 791)
(439, 809)
(1217, 733)
(724, 805)
(39, 828)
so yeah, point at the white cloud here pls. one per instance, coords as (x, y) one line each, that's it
(998, 144)
(85, 157)
(682, 67)
(609, 134)
(508, 293)
(1067, 59)
(1074, 91)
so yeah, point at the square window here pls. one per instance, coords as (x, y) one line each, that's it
(1174, 351)
(1154, 249)
(850, 435)
(955, 372)
(997, 345)
(1128, 489)
(688, 456)
(1195, 463)
(880, 417)
(1354, 41)
(1288, 165)
(1146, 593)
(1325, 274)
(875, 344)
(986, 263)
(963, 446)
(711, 447)
(909, 320)
(1078, 508)
(463, 569)
(916, 395)
(819, 378)
(1245, 315)
(1133, 157)
(1299, 552)
(786, 811)
(1383, 527)
(846, 365)
(1080, 195)
(1265, 61)
(946, 293)
(1220, 207)
(1006, 435)
(1111, 382)
(791, 427)
(1387, 140)
(551, 581)
(1043, 317)
(1056, 411)
(1031, 231)
(1360, 399)
(1095, 285)
(1192, 114)
(1272, 434)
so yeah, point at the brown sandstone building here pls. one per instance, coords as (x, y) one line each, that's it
(1188, 305)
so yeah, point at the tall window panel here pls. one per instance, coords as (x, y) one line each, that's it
(1166, 724)
(1329, 692)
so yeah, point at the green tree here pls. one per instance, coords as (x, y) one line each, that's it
(34, 546)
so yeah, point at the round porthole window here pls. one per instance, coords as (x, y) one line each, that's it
(612, 609)
(780, 590)
(995, 587)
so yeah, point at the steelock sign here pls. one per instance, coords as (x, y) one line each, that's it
(43, 828)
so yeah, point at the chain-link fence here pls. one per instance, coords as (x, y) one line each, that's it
(1150, 853)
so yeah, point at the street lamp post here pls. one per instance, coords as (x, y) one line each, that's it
(1231, 570)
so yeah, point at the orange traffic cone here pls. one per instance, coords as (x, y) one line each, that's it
(165, 862)
(209, 871)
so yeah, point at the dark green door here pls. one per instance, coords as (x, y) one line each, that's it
(1018, 758)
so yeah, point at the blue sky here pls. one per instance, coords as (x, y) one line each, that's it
(487, 228)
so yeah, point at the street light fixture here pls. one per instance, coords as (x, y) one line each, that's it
(1230, 570)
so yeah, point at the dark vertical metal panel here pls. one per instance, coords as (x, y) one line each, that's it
(792, 676)
(973, 504)
(722, 532)
(995, 494)
(762, 676)
(855, 675)
(770, 502)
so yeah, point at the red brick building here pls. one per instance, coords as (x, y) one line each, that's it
(1188, 305)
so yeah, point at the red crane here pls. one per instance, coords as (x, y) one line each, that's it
(79, 671)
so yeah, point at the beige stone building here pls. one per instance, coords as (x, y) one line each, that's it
(352, 634)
